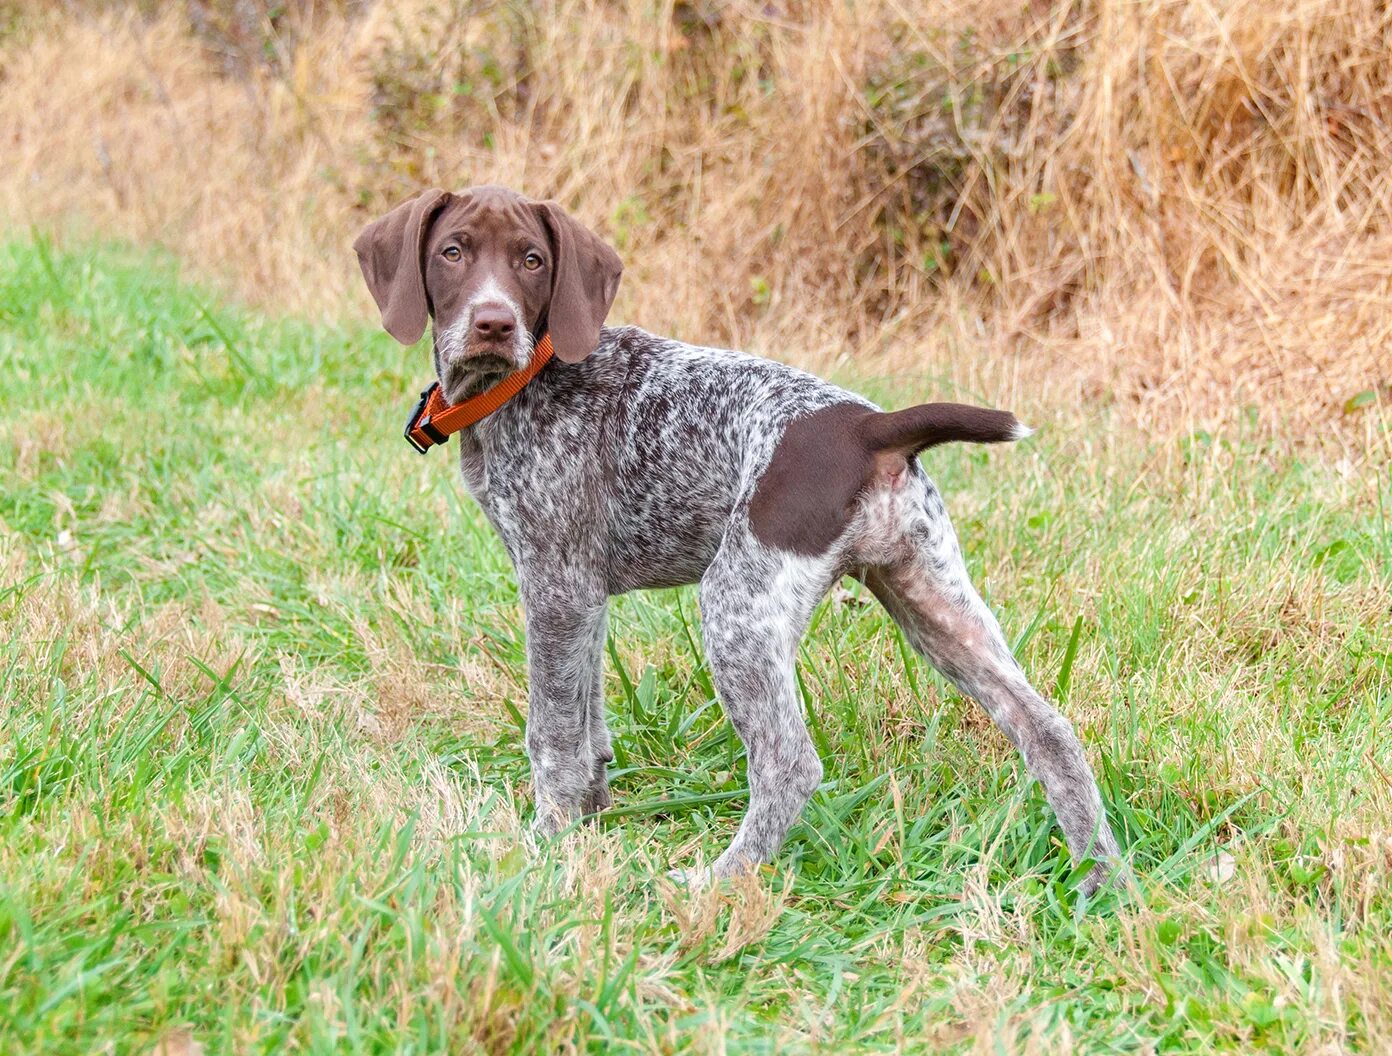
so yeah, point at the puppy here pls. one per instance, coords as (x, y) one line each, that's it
(609, 459)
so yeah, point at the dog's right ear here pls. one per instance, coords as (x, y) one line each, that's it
(389, 252)
(584, 280)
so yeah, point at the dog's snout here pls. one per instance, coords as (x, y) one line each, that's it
(494, 322)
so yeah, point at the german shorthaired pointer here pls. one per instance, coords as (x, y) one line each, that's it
(637, 461)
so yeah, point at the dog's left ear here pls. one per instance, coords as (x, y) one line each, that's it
(584, 279)
(389, 253)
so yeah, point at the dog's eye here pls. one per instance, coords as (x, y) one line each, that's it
(452, 253)
(532, 261)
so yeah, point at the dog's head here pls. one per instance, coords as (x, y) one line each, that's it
(494, 270)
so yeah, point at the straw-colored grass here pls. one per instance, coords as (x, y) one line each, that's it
(1183, 205)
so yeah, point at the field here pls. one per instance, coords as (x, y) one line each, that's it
(262, 679)
(263, 787)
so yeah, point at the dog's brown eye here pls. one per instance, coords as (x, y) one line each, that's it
(452, 253)
(532, 261)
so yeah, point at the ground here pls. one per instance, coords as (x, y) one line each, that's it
(262, 783)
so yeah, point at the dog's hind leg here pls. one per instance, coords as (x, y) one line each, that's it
(923, 583)
(756, 603)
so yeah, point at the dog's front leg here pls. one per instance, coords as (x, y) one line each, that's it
(567, 741)
(597, 799)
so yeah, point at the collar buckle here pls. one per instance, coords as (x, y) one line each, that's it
(415, 425)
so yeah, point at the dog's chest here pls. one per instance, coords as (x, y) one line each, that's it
(532, 484)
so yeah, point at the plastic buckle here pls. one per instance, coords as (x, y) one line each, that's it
(411, 423)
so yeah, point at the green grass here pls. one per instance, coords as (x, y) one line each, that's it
(262, 783)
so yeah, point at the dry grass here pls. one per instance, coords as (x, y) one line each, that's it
(1185, 206)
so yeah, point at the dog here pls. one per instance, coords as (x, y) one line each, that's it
(633, 461)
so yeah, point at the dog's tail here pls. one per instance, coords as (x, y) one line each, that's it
(913, 429)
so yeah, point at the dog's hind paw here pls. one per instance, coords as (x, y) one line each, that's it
(695, 879)
(1113, 876)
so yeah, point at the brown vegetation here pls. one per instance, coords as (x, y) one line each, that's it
(1183, 205)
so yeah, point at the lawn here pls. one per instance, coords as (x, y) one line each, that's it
(262, 783)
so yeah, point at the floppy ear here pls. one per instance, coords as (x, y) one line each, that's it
(584, 278)
(389, 253)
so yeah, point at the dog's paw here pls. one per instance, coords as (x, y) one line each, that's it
(1112, 876)
(693, 879)
(596, 799)
(547, 825)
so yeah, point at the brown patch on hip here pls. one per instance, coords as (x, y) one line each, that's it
(824, 460)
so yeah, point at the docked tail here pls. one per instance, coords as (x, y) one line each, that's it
(824, 460)
(913, 429)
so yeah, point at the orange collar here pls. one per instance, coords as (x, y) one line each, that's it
(434, 420)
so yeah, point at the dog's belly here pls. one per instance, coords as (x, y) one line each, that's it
(664, 546)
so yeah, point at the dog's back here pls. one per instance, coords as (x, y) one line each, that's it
(688, 438)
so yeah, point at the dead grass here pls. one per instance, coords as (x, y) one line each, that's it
(1187, 207)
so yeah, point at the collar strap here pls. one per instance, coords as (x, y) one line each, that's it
(434, 420)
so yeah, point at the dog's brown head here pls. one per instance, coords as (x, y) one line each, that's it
(493, 269)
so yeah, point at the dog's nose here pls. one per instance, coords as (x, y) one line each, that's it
(494, 322)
